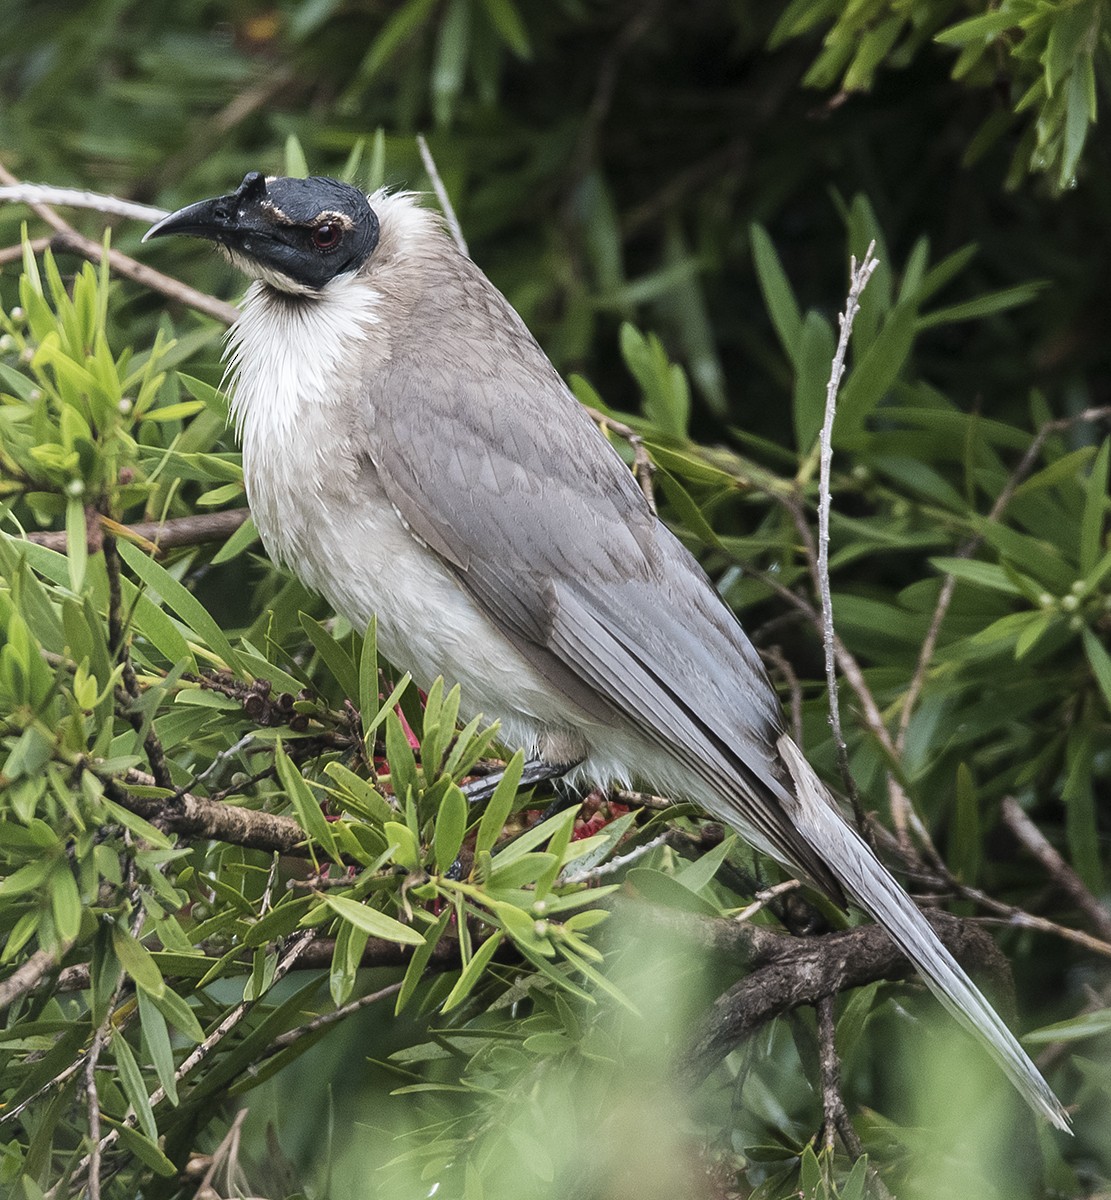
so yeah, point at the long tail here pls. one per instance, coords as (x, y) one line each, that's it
(873, 887)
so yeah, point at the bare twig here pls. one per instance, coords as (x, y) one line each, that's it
(441, 194)
(330, 1018)
(765, 897)
(113, 206)
(835, 1116)
(12, 254)
(775, 656)
(67, 238)
(1059, 871)
(28, 975)
(859, 277)
(643, 466)
(159, 536)
(227, 1152)
(92, 1099)
(615, 864)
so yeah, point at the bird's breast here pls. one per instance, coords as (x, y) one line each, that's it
(321, 510)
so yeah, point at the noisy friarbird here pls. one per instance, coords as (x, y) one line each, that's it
(410, 452)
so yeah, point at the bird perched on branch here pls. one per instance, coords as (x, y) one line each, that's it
(410, 452)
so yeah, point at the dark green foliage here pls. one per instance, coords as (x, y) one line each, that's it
(672, 213)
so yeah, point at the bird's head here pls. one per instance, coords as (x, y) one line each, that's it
(294, 234)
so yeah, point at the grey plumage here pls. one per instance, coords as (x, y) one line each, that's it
(410, 451)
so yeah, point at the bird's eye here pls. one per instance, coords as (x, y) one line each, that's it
(326, 235)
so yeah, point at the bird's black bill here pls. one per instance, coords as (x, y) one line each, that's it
(217, 219)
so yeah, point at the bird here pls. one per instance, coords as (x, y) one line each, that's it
(411, 453)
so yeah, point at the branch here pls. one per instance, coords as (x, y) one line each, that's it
(859, 277)
(446, 206)
(157, 537)
(194, 816)
(643, 466)
(792, 972)
(14, 254)
(27, 976)
(1055, 866)
(67, 238)
(295, 945)
(35, 194)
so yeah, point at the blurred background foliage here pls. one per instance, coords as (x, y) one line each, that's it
(669, 195)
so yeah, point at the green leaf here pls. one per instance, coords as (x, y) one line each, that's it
(451, 824)
(966, 828)
(472, 972)
(406, 847)
(157, 1036)
(371, 921)
(501, 804)
(420, 960)
(778, 297)
(1095, 509)
(360, 794)
(874, 375)
(982, 574)
(77, 550)
(1100, 662)
(401, 26)
(813, 364)
(246, 535)
(174, 1008)
(296, 166)
(337, 660)
(305, 804)
(507, 21)
(142, 1147)
(134, 1088)
(137, 963)
(1093, 1024)
(65, 902)
(182, 601)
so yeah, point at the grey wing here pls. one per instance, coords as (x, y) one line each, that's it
(497, 468)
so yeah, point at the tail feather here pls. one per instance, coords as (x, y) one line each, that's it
(873, 887)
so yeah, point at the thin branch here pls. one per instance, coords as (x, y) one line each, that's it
(835, 1116)
(11, 254)
(441, 195)
(331, 1018)
(38, 193)
(157, 537)
(30, 974)
(778, 660)
(195, 816)
(859, 277)
(643, 466)
(67, 238)
(765, 897)
(616, 863)
(1056, 867)
(148, 277)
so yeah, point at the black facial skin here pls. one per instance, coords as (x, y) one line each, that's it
(308, 230)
